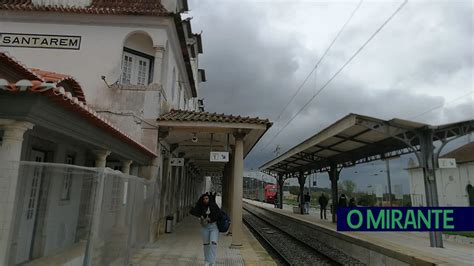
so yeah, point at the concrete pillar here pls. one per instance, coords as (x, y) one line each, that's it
(334, 177)
(230, 185)
(186, 191)
(301, 181)
(163, 193)
(158, 66)
(237, 233)
(181, 193)
(154, 174)
(101, 157)
(223, 188)
(10, 156)
(126, 166)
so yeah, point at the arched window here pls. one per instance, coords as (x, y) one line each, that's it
(470, 194)
(137, 60)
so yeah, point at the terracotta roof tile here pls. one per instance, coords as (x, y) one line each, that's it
(109, 7)
(191, 116)
(61, 80)
(17, 67)
(64, 99)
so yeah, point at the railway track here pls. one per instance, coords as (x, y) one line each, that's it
(286, 244)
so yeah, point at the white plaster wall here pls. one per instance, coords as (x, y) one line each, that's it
(100, 54)
(140, 42)
(451, 185)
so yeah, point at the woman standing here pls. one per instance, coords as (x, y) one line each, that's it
(209, 213)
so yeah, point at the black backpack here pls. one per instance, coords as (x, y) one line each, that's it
(223, 223)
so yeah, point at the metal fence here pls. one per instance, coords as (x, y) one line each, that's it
(74, 215)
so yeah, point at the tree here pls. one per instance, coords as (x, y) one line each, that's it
(367, 200)
(294, 190)
(348, 186)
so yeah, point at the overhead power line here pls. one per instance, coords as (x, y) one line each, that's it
(338, 71)
(320, 60)
(442, 105)
(317, 63)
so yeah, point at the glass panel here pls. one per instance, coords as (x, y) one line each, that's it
(126, 69)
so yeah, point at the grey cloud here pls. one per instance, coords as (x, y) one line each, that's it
(252, 74)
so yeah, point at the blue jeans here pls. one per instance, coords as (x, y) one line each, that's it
(210, 233)
(306, 207)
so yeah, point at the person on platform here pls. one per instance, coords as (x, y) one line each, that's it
(307, 201)
(208, 213)
(323, 203)
(342, 201)
(352, 203)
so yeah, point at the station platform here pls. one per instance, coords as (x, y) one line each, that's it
(415, 244)
(184, 247)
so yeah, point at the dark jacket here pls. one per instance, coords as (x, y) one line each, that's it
(342, 202)
(352, 203)
(307, 198)
(200, 211)
(323, 201)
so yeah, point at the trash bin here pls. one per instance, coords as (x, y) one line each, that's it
(169, 224)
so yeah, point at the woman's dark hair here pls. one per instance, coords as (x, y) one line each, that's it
(200, 208)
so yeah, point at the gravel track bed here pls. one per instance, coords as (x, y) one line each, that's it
(304, 234)
(292, 250)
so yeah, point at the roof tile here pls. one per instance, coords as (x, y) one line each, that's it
(63, 98)
(108, 7)
(191, 116)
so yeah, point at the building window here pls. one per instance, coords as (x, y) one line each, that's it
(67, 180)
(136, 68)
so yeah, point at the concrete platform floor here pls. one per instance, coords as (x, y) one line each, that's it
(416, 244)
(184, 247)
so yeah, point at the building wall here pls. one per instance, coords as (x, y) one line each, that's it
(102, 41)
(451, 184)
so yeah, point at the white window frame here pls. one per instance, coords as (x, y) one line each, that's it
(135, 69)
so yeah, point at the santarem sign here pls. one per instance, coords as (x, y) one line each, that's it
(40, 41)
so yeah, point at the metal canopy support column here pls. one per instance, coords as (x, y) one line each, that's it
(281, 183)
(301, 181)
(334, 177)
(428, 164)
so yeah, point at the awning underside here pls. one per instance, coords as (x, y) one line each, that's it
(357, 139)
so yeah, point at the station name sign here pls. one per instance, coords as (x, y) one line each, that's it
(40, 41)
(219, 156)
(405, 219)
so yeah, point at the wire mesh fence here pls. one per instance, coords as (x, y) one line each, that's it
(67, 214)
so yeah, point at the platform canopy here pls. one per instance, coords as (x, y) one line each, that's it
(358, 139)
(193, 135)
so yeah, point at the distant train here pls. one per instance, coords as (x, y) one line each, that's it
(270, 193)
(259, 190)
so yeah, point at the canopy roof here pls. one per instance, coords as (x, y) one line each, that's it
(212, 132)
(357, 139)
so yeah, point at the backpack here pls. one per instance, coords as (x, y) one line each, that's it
(223, 223)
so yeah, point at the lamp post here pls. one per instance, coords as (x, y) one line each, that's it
(389, 183)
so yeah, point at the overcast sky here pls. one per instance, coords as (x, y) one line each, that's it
(257, 53)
